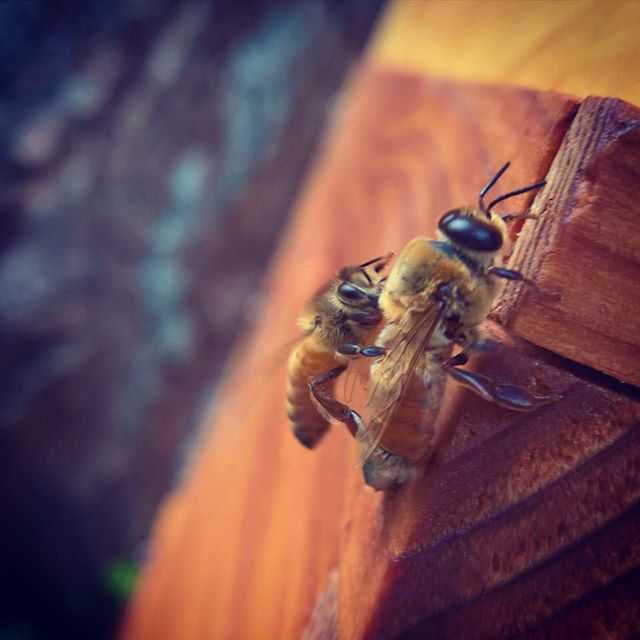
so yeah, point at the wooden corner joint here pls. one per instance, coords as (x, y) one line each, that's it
(582, 249)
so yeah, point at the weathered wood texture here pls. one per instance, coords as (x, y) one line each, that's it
(580, 47)
(523, 523)
(520, 520)
(585, 246)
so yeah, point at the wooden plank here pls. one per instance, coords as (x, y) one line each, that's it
(585, 247)
(524, 524)
(520, 519)
(248, 543)
(580, 47)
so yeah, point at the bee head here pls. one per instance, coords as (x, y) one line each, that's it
(472, 230)
(478, 230)
(359, 285)
(358, 301)
(354, 294)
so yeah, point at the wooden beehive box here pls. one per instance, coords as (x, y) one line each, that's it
(524, 524)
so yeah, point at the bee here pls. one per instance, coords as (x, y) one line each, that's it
(345, 310)
(437, 294)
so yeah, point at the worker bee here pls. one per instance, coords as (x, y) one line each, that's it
(345, 310)
(437, 294)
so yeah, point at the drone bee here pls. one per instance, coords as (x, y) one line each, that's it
(343, 311)
(437, 294)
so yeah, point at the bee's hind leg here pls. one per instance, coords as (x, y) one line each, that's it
(382, 470)
(506, 395)
(334, 409)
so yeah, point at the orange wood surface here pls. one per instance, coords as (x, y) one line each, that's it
(521, 522)
(579, 47)
(519, 519)
(523, 525)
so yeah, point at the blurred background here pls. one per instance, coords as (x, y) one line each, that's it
(150, 153)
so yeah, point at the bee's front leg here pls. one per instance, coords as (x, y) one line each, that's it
(357, 350)
(511, 274)
(332, 407)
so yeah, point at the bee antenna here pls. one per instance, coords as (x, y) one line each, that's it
(370, 262)
(366, 275)
(363, 271)
(488, 186)
(517, 192)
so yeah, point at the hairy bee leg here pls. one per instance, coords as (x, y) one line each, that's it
(334, 408)
(473, 340)
(506, 395)
(456, 361)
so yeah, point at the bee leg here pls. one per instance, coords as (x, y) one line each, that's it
(511, 274)
(334, 408)
(356, 350)
(470, 338)
(474, 340)
(506, 395)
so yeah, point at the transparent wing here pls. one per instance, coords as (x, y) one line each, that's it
(404, 350)
(355, 377)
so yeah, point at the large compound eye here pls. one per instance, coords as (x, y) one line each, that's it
(349, 293)
(470, 232)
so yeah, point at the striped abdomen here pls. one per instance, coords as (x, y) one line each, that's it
(307, 362)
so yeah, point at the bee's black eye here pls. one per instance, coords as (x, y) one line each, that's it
(470, 232)
(350, 293)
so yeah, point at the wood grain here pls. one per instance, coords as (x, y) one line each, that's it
(579, 47)
(245, 548)
(520, 519)
(585, 247)
(524, 525)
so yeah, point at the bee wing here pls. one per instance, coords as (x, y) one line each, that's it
(406, 348)
(355, 377)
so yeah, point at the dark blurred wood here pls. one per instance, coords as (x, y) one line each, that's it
(585, 246)
(149, 152)
(523, 523)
